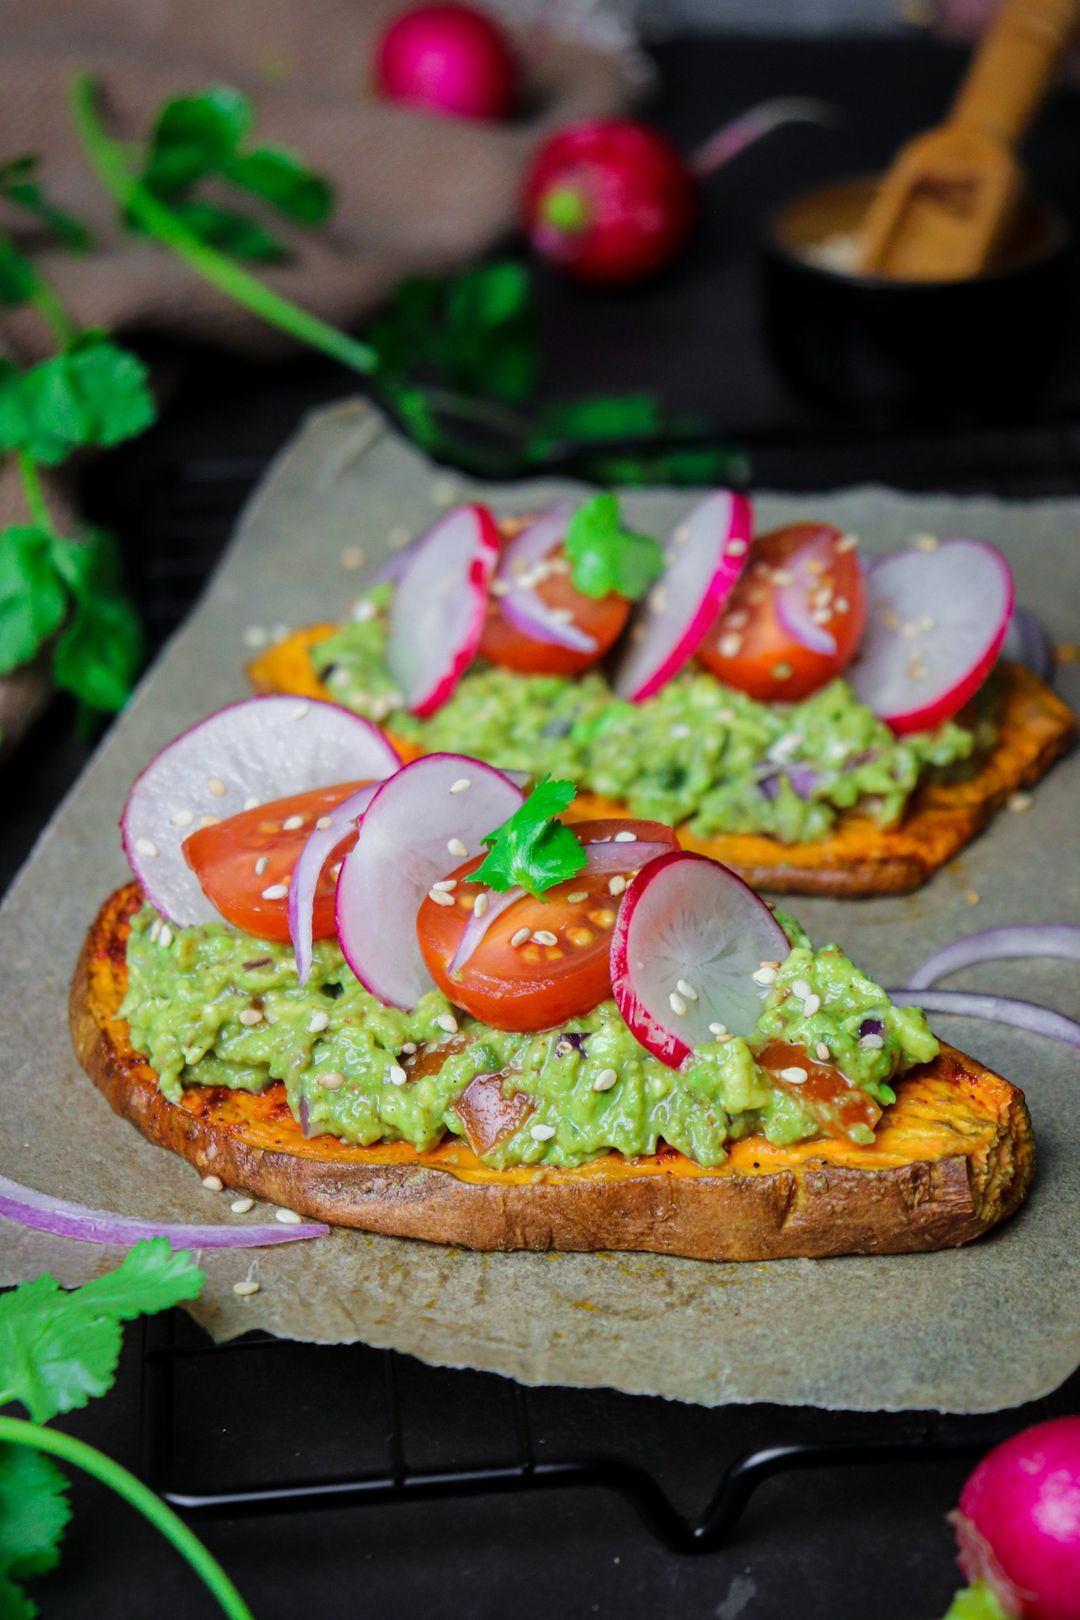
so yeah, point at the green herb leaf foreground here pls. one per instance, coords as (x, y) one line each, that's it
(19, 184)
(605, 557)
(57, 1348)
(93, 394)
(34, 1512)
(533, 849)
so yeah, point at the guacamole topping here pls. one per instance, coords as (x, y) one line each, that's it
(346, 1060)
(697, 751)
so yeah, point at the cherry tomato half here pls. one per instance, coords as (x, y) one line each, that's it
(238, 859)
(560, 969)
(751, 649)
(601, 617)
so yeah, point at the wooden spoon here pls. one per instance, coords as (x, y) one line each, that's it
(942, 209)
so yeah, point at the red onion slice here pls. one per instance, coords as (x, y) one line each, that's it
(437, 615)
(520, 604)
(306, 873)
(1028, 1015)
(935, 623)
(261, 749)
(477, 927)
(1027, 642)
(421, 824)
(27, 1207)
(792, 601)
(625, 855)
(686, 945)
(998, 944)
(707, 553)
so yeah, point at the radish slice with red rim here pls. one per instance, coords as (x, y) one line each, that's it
(421, 825)
(688, 939)
(261, 749)
(935, 622)
(44, 1213)
(308, 869)
(437, 615)
(707, 552)
(520, 604)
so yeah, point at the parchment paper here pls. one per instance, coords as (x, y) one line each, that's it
(974, 1329)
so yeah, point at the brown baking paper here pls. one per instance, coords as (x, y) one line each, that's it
(973, 1329)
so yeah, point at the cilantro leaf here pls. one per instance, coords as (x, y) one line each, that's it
(228, 230)
(33, 601)
(532, 848)
(99, 652)
(34, 1511)
(17, 279)
(58, 1349)
(94, 394)
(20, 185)
(114, 387)
(283, 179)
(194, 136)
(606, 557)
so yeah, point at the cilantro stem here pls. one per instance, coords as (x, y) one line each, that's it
(44, 300)
(17, 1432)
(107, 159)
(34, 494)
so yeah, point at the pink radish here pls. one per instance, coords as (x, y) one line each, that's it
(306, 873)
(422, 823)
(935, 622)
(263, 748)
(688, 940)
(437, 615)
(521, 605)
(707, 553)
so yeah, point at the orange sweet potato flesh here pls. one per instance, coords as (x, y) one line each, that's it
(952, 1156)
(858, 858)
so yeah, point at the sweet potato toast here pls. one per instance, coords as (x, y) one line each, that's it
(859, 858)
(953, 1156)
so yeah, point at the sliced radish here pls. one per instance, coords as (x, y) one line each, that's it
(707, 553)
(1026, 642)
(308, 869)
(935, 622)
(687, 942)
(420, 825)
(263, 748)
(437, 615)
(515, 580)
(793, 599)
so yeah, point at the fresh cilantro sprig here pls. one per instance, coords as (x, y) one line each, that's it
(58, 1349)
(21, 184)
(533, 850)
(605, 556)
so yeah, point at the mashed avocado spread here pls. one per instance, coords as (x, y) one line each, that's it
(697, 751)
(345, 1059)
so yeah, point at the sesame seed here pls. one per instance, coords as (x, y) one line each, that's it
(926, 542)
(445, 885)
(605, 1080)
(165, 938)
(1020, 801)
(448, 1022)
(247, 1285)
(764, 975)
(737, 547)
(676, 1003)
(216, 786)
(625, 838)
(686, 990)
(872, 1043)
(782, 671)
(542, 1133)
(972, 897)
(658, 599)
(300, 711)
(729, 646)
(440, 897)
(462, 785)
(927, 623)
(241, 1206)
(155, 928)
(261, 864)
(212, 1183)
(520, 937)
(821, 1052)
(456, 847)
(481, 904)
(841, 605)
(146, 846)
(353, 557)
(253, 803)
(617, 884)
(288, 1217)
(498, 587)
(737, 620)
(847, 542)
(318, 1022)
(783, 576)
(251, 1015)
(679, 733)
(801, 989)
(544, 936)
(577, 897)
(292, 823)
(331, 1080)
(209, 821)
(811, 1005)
(276, 891)
(409, 1047)
(324, 823)
(363, 611)
(682, 534)
(795, 1075)
(718, 1029)
(182, 818)
(396, 1075)
(255, 636)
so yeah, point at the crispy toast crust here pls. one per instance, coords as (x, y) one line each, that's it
(858, 858)
(953, 1156)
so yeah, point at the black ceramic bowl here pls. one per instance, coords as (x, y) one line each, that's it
(912, 351)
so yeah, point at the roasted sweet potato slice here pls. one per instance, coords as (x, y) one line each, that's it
(953, 1155)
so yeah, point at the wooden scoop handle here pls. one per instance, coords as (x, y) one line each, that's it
(1015, 66)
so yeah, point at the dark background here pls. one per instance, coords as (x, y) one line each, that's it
(837, 1542)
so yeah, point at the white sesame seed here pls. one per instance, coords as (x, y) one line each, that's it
(682, 534)
(324, 823)
(445, 885)
(625, 838)
(251, 1015)
(926, 542)
(363, 611)
(737, 547)
(499, 587)
(873, 1043)
(795, 1075)
(605, 1080)
(764, 975)
(811, 1005)
(448, 1022)
(216, 786)
(318, 1022)
(155, 928)
(544, 936)
(165, 938)
(577, 897)
(481, 904)
(146, 846)
(679, 733)
(729, 646)
(658, 599)
(1020, 801)
(801, 989)
(353, 557)
(292, 823)
(783, 576)
(241, 1206)
(462, 785)
(456, 847)
(440, 897)
(821, 1052)
(542, 1133)
(261, 864)
(737, 620)
(299, 712)
(841, 605)
(276, 891)
(718, 1029)
(247, 1285)
(332, 1080)
(288, 1217)
(255, 636)
(617, 884)
(396, 1075)
(676, 1003)
(182, 818)
(686, 990)
(847, 542)
(409, 1047)
(212, 1183)
(252, 803)
(520, 937)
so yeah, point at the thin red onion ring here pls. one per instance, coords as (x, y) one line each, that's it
(28, 1207)
(520, 604)
(477, 927)
(1029, 1015)
(321, 842)
(998, 944)
(792, 601)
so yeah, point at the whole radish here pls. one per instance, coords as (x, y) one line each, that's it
(1018, 1524)
(451, 59)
